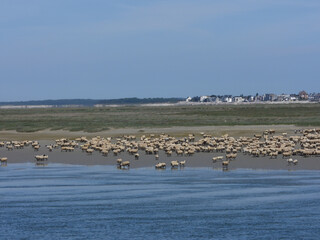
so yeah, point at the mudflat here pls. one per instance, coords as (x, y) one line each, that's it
(198, 159)
(79, 157)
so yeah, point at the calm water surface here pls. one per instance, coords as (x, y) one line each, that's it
(100, 202)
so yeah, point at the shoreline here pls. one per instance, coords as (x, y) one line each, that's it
(148, 168)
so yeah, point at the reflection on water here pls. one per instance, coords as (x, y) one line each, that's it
(41, 164)
(3, 163)
(102, 202)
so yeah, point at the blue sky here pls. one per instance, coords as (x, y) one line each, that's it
(147, 48)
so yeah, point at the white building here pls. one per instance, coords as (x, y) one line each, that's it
(227, 99)
(203, 98)
(238, 99)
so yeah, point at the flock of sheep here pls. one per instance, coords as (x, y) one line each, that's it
(304, 143)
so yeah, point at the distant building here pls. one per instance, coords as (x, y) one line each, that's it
(314, 97)
(270, 97)
(237, 99)
(293, 98)
(283, 97)
(227, 99)
(258, 98)
(204, 99)
(303, 95)
(251, 98)
(214, 99)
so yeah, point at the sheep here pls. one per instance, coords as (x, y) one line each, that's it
(89, 150)
(125, 164)
(215, 159)
(273, 154)
(119, 161)
(9, 147)
(231, 156)
(104, 152)
(225, 164)
(290, 160)
(41, 157)
(36, 147)
(182, 163)
(3, 161)
(174, 164)
(286, 154)
(161, 165)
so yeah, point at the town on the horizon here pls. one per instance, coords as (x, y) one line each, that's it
(302, 96)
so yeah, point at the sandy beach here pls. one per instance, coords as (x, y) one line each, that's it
(200, 159)
(78, 157)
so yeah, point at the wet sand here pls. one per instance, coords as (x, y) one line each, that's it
(79, 157)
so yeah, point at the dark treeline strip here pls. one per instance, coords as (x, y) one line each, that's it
(92, 102)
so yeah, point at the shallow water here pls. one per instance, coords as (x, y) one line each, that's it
(101, 202)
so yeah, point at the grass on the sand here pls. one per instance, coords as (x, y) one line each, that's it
(99, 119)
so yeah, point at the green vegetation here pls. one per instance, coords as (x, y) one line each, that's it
(91, 119)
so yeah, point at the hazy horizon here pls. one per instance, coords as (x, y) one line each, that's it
(147, 49)
(184, 97)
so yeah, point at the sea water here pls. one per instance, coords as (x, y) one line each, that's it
(101, 202)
